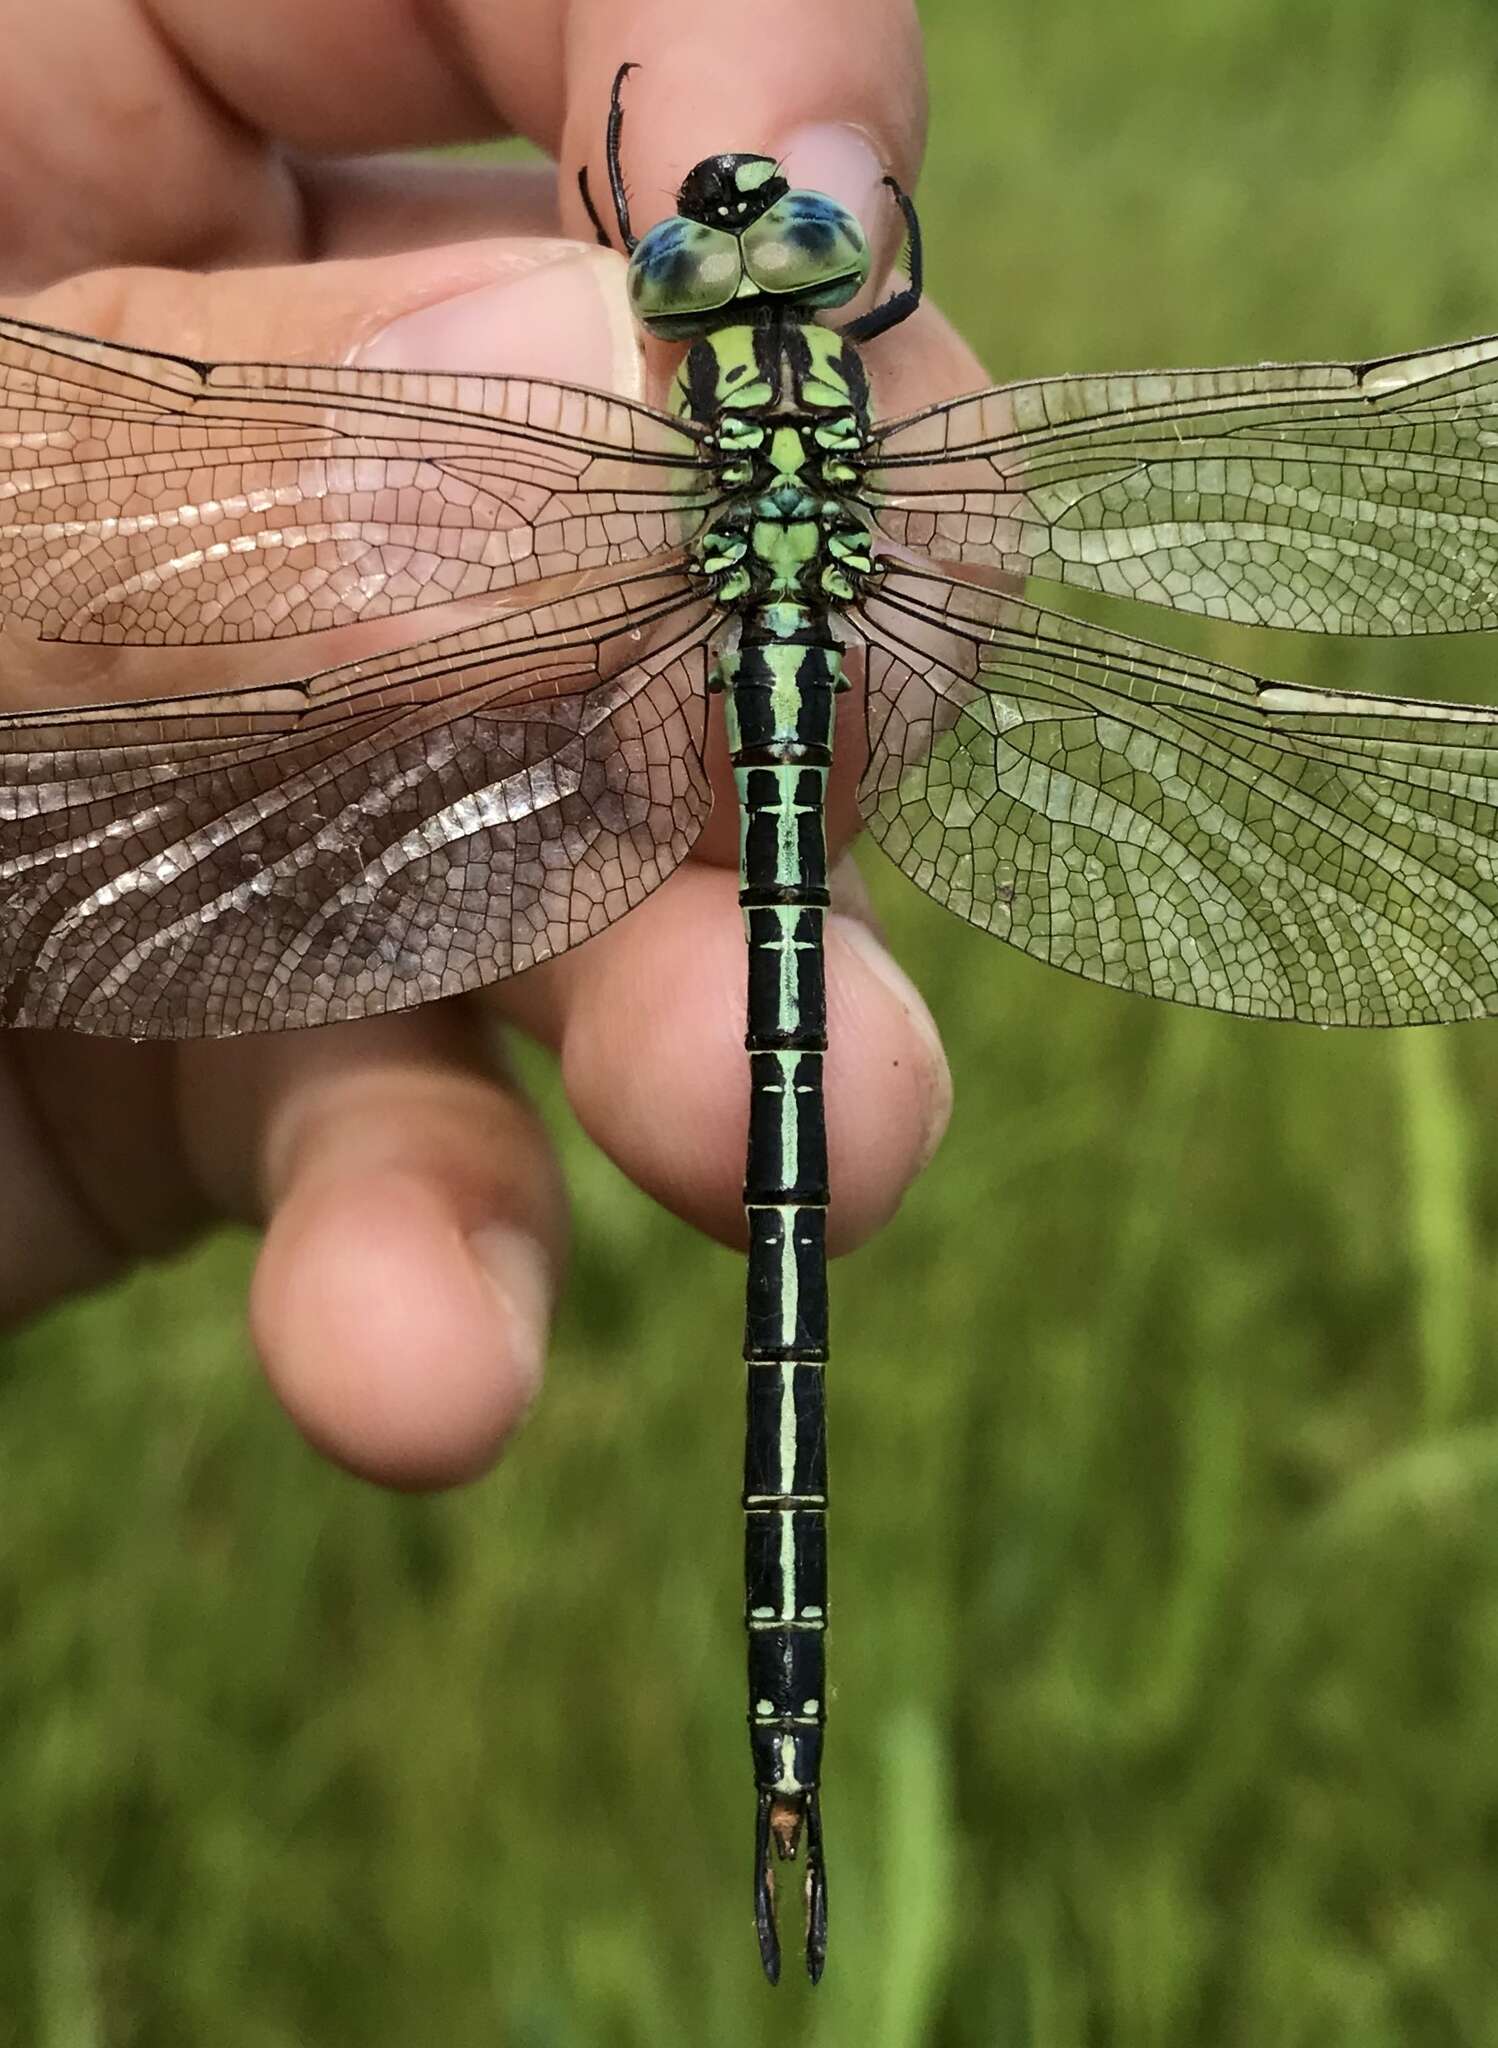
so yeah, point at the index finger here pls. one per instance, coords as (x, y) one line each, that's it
(838, 89)
(179, 133)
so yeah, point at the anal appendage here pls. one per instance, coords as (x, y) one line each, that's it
(782, 1817)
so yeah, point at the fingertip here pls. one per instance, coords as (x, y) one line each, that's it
(843, 161)
(901, 1068)
(563, 315)
(857, 62)
(521, 306)
(417, 1230)
(403, 1349)
(923, 361)
(651, 1030)
(649, 1027)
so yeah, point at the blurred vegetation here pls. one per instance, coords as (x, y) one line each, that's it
(1166, 1424)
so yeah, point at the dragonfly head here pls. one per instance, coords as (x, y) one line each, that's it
(741, 235)
(730, 191)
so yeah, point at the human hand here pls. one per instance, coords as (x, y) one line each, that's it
(416, 1218)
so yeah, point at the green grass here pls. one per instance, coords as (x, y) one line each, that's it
(1166, 1424)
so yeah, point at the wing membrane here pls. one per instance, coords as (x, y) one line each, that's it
(1332, 497)
(151, 500)
(1169, 825)
(381, 834)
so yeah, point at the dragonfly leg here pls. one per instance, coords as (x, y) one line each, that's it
(592, 211)
(900, 305)
(616, 171)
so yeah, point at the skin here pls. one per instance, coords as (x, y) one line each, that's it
(205, 179)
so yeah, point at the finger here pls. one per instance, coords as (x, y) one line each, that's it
(84, 180)
(417, 1222)
(417, 1231)
(531, 306)
(380, 74)
(392, 204)
(401, 1298)
(353, 76)
(649, 1022)
(175, 133)
(850, 108)
(110, 150)
(535, 306)
(378, 206)
(919, 362)
(93, 1177)
(231, 111)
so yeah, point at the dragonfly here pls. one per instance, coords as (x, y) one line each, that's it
(526, 764)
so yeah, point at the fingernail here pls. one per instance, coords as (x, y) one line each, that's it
(938, 1076)
(565, 317)
(519, 1273)
(842, 161)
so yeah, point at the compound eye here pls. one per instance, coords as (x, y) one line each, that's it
(809, 246)
(682, 270)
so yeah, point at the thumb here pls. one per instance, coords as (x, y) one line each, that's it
(417, 1222)
(523, 307)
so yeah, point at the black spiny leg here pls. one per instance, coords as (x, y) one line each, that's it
(900, 305)
(598, 227)
(616, 171)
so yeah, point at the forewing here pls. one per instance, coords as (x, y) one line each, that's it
(382, 834)
(1168, 825)
(1331, 497)
(161, 502)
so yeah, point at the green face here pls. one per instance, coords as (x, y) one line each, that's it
(741, 235)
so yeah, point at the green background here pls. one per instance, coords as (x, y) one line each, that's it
(1166, 1463)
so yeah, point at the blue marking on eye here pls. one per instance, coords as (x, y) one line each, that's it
(662, 253)
(814, 206)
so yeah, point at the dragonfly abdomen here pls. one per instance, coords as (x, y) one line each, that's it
(780, 691)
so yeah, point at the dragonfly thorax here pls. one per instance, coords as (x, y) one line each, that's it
(784, 536)
(742, 234)
(786, 414)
